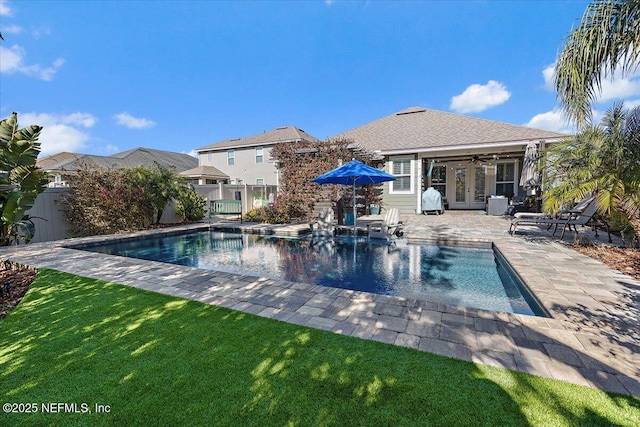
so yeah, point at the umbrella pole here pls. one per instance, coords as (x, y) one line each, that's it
(354, 209)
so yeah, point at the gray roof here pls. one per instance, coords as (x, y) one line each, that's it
(421, 128)
(272, 137)
(205, 172)
(71, 162)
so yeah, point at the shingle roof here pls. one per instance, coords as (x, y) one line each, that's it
(422, 128)
(71, 162)
(206, 172)
(281, 134)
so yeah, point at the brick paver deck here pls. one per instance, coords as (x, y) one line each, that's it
(591, 339)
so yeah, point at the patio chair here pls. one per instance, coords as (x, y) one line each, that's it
(389, 229)
(324, 226)
(580, 214)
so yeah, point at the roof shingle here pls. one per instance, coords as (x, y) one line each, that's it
(274, 136)
(422, 128)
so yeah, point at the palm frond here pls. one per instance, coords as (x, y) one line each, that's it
(607, 40)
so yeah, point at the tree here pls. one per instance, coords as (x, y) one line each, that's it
(299, 163)
(606, 40)
(161, 184)
(603, 159)
(20, 180)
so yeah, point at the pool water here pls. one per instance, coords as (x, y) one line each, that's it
(448, 274)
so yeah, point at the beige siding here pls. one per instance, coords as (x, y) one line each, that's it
(245, 166)
(405, 202)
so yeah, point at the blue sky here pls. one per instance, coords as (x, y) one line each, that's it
(107, 76)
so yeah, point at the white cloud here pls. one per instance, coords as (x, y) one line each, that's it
(60, 132)
(5, 9)
(192, 153)
(477, 97)
(551, 120)
(12, 61)
(633, 103)
(548, 75)
(126, 119)
(11, 29)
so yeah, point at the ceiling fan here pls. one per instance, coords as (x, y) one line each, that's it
(475, 159)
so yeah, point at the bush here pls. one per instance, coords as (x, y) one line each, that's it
(190, 205)
(107, 201)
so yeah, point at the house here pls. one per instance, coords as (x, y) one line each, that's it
(202, 175)
(466, 158)
(247, 160)
(62, 166)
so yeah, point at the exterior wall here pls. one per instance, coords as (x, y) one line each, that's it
(406, 202)
(245, 166)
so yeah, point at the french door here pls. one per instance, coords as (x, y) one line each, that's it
(469, 188)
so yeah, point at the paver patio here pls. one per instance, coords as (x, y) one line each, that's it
(591, 339)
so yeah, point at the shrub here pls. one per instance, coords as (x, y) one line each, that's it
(190, 205)
(107, 201)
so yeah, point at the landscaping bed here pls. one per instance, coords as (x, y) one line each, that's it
(626, 260)
(15, 280)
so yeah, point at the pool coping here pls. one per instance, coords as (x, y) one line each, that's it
(582, 343)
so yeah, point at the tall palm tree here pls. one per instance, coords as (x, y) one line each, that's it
(603, 159)
(606, 40)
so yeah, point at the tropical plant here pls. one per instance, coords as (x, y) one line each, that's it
(606, 41)
(601, 159)
(20, 179)
(189, 204)
(161, 183)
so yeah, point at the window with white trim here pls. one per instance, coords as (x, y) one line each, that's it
(402, 170)
(259, 155)
(505, 179)
(231, 157)
(259, 181)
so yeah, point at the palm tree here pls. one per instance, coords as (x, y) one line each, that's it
(606, 40)
(603, 159)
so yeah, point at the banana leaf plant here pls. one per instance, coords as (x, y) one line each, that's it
(20, 180)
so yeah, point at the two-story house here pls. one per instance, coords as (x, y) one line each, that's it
(247, 160)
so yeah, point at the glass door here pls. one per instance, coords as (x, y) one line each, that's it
(470, 184)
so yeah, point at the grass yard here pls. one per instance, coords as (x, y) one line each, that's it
(158, 360)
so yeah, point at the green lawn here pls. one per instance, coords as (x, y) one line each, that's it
(158, 360)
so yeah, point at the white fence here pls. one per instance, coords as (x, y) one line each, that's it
(51, 221)
(252, 196)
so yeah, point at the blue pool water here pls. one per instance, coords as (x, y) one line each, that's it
(447, 274)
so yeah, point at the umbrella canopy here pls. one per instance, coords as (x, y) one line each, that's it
(530, 177)
(354, 173)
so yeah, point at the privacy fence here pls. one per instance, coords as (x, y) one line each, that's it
(51, 221)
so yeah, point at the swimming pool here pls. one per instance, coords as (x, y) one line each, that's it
(448, 274)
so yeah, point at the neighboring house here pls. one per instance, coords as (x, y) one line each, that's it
(63, 166)
(202, 175)
(248, 160)
(470, 158)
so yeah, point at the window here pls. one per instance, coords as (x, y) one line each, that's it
(505, 179)
(439, 179)
(259, 181)
(259, 156)
(209, 157)
(401, 169)
(231, 157)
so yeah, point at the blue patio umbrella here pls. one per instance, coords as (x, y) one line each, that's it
(354, 173)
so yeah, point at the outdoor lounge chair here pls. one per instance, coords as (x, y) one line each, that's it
(580, 214)
(324, 226)
(389, 229)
